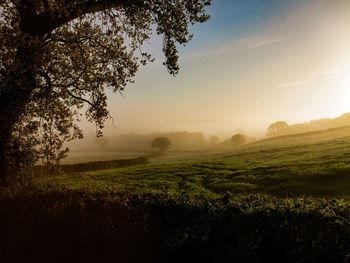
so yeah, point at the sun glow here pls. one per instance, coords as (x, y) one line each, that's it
(343, 75)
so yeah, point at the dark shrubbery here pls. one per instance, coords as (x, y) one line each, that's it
(94, 166)
(60, 225)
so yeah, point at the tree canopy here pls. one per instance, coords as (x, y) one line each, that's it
(58, 57)
(162, 143)
(275, 128)
(238, 139)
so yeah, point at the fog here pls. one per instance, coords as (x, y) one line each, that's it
(291, 66)
(132, 144)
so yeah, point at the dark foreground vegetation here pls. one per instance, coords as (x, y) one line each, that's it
(60, 225)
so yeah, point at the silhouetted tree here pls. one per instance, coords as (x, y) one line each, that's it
(275, 128)
(57, 57)
(238, 139)
(162, 143)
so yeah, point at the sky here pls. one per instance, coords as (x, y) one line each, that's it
(253, 63)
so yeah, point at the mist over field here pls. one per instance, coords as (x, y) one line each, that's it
(133, 144)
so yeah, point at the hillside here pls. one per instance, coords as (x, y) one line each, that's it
(319, 124)
(315, 163)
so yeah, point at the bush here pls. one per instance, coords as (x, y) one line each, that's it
(60, 225)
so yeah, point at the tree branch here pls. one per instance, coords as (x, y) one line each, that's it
(45, 22)
(81, 99)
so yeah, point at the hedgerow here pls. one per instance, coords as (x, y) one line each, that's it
(51, 224)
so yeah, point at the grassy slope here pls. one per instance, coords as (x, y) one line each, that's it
(315, 163)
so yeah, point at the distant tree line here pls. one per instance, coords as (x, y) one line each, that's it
(282, 128)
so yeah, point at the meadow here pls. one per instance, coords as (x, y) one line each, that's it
(310, 164)
(282, 199)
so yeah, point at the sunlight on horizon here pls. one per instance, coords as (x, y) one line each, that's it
(342, 76)
(292, 64)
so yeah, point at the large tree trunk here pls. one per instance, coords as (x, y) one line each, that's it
(19, 80)
(18, 83)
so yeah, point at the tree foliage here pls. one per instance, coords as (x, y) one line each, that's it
(162, 143)
(238, 139)
(275, 128)
(57, 59)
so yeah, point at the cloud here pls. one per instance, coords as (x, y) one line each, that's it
(236, 46)
(328, 74)
(320, 75)
(260, 42)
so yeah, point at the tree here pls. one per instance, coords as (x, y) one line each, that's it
(275, 128)
(162, 143)
(58, 57)
(238, 139)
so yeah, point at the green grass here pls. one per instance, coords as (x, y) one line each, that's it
(311, 164)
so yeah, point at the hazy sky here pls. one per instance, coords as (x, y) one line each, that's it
(253, 63)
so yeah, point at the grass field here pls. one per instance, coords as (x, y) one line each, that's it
(310, 164)
(284, 199)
